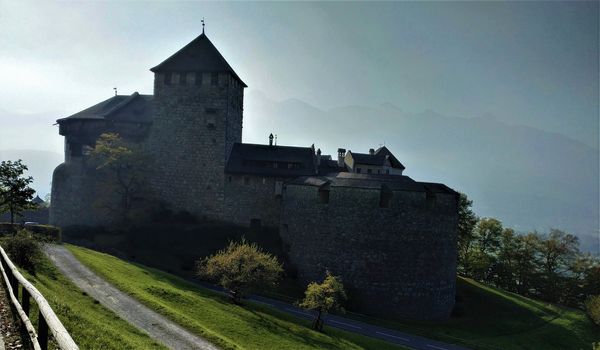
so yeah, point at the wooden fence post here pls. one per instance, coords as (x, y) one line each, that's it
(42, 332)
(25, 300)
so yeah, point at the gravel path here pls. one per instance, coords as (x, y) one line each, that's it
(158, 327)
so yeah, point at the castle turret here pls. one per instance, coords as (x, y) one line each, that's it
(198, 101)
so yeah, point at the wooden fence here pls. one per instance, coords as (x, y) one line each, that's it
(47, 318)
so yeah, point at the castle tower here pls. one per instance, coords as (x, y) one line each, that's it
(198, 104)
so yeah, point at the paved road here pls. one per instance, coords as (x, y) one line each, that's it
(158, 327)
(176, 337)
(390, 335)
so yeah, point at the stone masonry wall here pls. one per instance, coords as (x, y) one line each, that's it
(74, 196)
(193, 131)
(249, 197)
(398, 261)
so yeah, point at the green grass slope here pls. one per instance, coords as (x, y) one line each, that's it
(212, 316)
(91, 325)
(494, 319)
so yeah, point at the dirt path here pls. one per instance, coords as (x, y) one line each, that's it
(129, 309)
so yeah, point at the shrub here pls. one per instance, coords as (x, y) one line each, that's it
(240, 268)
(324, 297)
(23, 250)
(46, 233)
(592, 306)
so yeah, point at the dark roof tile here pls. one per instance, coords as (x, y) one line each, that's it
(200, 55)
(246, 158)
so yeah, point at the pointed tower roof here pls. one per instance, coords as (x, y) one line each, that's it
(200, 55)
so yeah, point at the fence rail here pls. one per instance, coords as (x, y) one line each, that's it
(47, 318)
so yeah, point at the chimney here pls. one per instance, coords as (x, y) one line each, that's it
(318, 157)
(341, 156)
(371, 151)
(271, 140)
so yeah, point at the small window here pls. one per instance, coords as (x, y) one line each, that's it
(369, 171)
(387, 171)
(210, 110)
(182, 79)
(168, 78)
(378, 171)
(214, 79)
(198, 80)
(358, 170)
(278, 188)
(324, 196)
(229, 179)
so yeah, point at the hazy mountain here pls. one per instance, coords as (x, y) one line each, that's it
(528, 178)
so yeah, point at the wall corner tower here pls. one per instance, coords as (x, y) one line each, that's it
(198, 108)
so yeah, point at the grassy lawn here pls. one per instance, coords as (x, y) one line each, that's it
(213, 317)
(494, 319)
(91, 325)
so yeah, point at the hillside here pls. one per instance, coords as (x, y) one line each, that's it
(213, 317)
(492, 319)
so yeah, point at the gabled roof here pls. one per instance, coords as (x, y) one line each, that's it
(246, 158)
(134, 108)
(200, 55)
(377, 158)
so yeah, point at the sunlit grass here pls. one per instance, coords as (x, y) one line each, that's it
(213, 316)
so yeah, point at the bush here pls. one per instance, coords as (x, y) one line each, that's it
(46, 233)
(592, 306)
(23, 249)
(240, 268)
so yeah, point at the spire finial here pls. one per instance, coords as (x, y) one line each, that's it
(202, 25)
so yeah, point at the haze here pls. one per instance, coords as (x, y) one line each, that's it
(516, 63)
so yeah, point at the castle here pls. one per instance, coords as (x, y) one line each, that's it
(390, 238)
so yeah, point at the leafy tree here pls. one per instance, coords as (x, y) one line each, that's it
(15, 193)
(526, 262)
(505, 267)
(324, 297)
(122, 167)
(592, 305)
(240, 268)
(483, 255)
(466, 224)
(557, 252)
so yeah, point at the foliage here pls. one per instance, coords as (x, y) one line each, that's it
(240, 268)
(547, 266)
(209, 315)
(592, 306)
(324, 297)
(122, 167)
(466, 224)
(15, 193)
(23, 249)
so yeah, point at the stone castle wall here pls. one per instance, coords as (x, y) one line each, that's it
(75, 196)
(249, 197)
(193, 131)
(399, 260)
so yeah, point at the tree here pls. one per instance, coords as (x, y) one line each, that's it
(466, 224)
(240, 268)
(558, 251)
(15, 193)
(487, 239)
(122, 167)
(324, 297)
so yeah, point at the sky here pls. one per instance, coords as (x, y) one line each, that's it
(529, 63)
